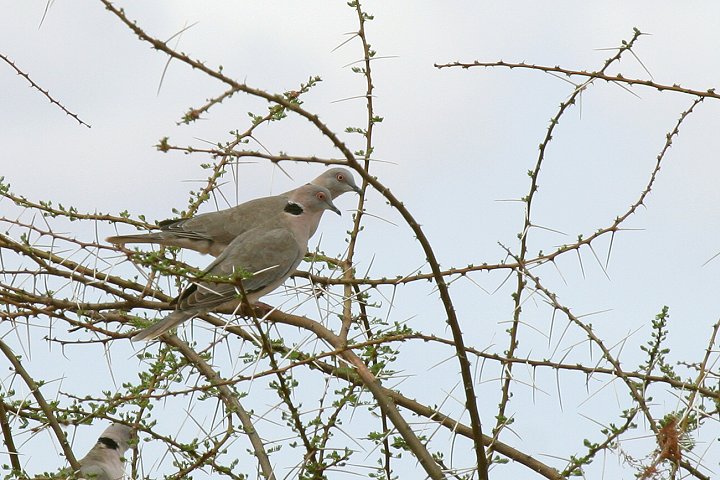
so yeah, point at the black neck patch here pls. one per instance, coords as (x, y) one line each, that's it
(293, 208)
(109, 442)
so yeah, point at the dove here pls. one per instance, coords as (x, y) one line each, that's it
(270, 252)
(105, 460)
(212, 232)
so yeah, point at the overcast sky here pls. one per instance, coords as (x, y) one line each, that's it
(454, 144)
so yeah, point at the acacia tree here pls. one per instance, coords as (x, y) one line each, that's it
(316, 388)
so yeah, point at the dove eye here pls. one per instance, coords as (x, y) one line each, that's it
(320, 196)
(340, 177)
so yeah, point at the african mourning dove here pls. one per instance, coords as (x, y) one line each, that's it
(270, 252)
(212, 232)
(105, 460)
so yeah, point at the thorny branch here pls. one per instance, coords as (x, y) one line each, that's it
(47, 409)
(41, 90)
(591, 76)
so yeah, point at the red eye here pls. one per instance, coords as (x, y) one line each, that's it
(320, 196)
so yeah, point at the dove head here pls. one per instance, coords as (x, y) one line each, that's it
(310, 200)
(337, 181)
(117, 436)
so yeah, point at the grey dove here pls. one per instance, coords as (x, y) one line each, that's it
(212, 232)
(270, 252)
(105, 460)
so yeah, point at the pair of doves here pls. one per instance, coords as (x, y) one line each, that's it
(266, 237)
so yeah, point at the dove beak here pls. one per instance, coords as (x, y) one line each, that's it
(331, 206)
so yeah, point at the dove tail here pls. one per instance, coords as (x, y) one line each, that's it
(172, 239)
(171, 321)
(138, 238)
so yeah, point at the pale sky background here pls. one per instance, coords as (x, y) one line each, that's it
(456, 142)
